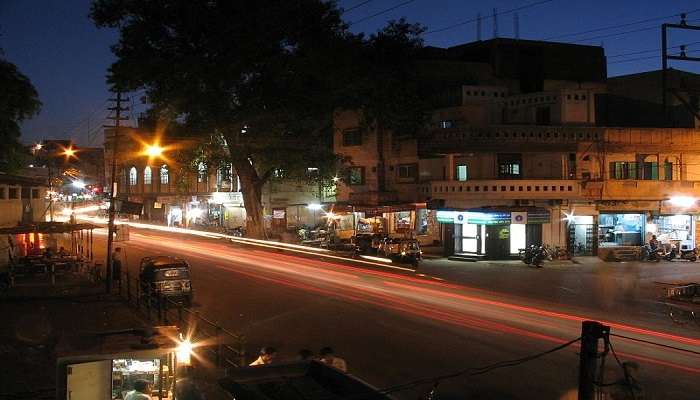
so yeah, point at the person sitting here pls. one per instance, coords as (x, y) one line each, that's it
(142, 390)
(653, 243)
(267, 356)
(327, 357)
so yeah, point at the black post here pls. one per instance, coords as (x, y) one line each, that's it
(591, 333)
(219, 347)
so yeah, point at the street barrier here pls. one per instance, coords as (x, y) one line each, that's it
(223, 348)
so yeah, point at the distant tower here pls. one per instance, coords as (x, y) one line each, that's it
(516, 25)
(495, 24)
(478, 26)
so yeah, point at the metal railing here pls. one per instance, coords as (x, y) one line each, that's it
(222, 347)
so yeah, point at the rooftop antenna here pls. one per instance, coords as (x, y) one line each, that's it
(478, 26)
(516, 25)
(495, 24)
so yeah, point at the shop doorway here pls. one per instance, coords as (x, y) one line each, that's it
(581, 235)
(498, 242)
(469, 239)
(616, 229)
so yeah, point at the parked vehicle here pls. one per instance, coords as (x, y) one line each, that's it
(368, 243)
(238, 231)
(688, 255)
(534, 255)
(401, 250)
(648, 254)
(166, 276)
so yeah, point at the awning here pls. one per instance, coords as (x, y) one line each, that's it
(495, 216)
(375, 211)
(46, 227)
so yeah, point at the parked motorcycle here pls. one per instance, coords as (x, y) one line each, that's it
(649, 254)
(688, 255)
(534, 255)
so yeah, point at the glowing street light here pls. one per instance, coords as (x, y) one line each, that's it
(69, 152)
(184, 352)
(153, 150)
(79, 184)
(336, 179)
(683, 201)
(314, 206)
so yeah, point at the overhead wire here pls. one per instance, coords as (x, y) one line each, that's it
(347, 10)
(622, 33)
(468, 21)
(380, 12)
(617, 26)
(476, 371)
(697, 353)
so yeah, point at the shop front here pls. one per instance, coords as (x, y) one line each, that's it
(492, 234)
(677, 230)
(616, 229)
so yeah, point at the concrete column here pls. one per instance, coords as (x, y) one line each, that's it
(450, 168)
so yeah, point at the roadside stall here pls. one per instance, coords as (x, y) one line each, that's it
(110, 365)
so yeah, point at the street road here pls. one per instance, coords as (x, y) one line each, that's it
(393, 327)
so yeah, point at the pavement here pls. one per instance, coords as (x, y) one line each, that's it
(394, 326)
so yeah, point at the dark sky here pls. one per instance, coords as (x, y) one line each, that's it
(66, 57)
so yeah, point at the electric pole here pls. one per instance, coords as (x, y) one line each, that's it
(117, 118)
(591, 333)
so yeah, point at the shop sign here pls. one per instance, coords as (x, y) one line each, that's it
(279, 213)
(157, 205)
(518, 217)
(538, 216)
(226, 198)
(503, 233)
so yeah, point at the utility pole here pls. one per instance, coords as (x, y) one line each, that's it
(683, 56)
(117, 118)
(591, 333)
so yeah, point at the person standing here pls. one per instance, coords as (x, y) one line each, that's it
(117, 264)
(327, 356)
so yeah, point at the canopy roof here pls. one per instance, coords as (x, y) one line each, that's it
(46, 227)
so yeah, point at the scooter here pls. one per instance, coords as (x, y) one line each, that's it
(688, 255)
(649, 254)
(533, 255)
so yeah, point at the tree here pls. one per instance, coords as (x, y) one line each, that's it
(264, 75)
(19, 101)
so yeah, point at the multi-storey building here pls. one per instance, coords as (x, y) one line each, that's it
(175, 191)
(22, 200)
(514, 157)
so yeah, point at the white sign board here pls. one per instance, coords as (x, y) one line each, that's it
(518, 217)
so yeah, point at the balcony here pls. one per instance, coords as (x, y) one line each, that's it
(649, 190)
(529, 189)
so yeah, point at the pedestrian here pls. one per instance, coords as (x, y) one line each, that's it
(305, 355)
(117, 264)
(142, 391)
(327, 356)
(266, 357)
(186, 387)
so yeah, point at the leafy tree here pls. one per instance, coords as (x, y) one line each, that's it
(264, 75)
(18, 101)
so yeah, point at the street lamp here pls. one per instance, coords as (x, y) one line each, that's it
(69, 152)
(79, 184)
(153, 150)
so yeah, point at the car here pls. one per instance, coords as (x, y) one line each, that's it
(166, 276)
(401, 250)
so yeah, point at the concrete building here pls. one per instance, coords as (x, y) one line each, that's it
(22, 200)
(177, 191)
(514, 157)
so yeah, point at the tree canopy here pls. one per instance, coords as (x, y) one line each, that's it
(19, 101)
(265, 75)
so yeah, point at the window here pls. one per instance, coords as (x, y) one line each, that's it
(164, 175)
(147, 176)
(13, 193)
(650, 171)
(623, 170)
(357, 176)
(509, 166)
(312, 172)
(2, 193)
(668, 170)
(25, 192)
(408, 172)
(462, 173)
(352, 137)
(35, 193)
(133, 176)
(201, 172)
(447, 124)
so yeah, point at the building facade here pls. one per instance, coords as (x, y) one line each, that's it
(515, 156)
(22, 200)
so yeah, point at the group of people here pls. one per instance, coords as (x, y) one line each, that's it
(326, 355)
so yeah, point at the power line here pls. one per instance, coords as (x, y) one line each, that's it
(618, 25)
(458, 24)
(623, 33)
(646, 58)
(651, 50)
(381, 12)
(356, 6)
(697, 353)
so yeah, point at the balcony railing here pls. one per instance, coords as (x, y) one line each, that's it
(503, 189)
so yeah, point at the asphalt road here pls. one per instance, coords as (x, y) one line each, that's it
(394, 327)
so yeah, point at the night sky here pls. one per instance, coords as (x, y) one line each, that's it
(66, 57)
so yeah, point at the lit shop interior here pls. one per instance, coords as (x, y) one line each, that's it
(125, 372)
(636, 229)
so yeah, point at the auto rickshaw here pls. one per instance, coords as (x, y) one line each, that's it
(401, 250)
